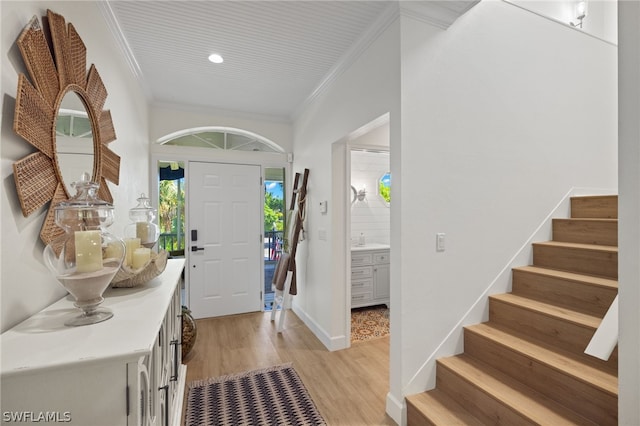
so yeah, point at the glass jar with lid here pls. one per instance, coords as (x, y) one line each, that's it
(86, 257)
(142, 226)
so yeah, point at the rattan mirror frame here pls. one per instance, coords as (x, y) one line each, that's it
(53, 73)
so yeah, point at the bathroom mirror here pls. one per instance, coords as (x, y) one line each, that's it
(58, 78)
(384, 188)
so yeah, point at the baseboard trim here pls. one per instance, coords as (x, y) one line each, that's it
(331, 343)
(396, 409)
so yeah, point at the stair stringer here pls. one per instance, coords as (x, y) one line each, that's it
(453, 344)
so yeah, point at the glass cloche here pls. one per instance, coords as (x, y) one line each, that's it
(86, 257)
(142, 226)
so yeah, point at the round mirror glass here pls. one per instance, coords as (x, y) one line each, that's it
(74, 140)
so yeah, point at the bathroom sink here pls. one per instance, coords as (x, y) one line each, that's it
(370, 246)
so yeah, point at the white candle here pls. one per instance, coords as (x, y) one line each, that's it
(113, 250)
(88, 251)
(142, 231)
(131, 245)
(140, 257)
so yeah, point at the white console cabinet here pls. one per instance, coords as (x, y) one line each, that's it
(124, 371)
(370, 277)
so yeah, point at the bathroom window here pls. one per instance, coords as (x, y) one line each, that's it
(384, 188)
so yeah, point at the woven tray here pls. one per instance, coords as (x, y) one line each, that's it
(154, 268)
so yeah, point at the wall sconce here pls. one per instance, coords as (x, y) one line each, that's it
(581, 10)
(359, 195)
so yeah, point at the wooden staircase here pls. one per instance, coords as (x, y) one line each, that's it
(526, 364)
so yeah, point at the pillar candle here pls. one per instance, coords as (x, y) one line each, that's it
(131, 245)
(88, 251)
(140, 257)
(112, 251)
(142, 231)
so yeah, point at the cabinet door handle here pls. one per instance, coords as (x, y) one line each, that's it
(174, 376)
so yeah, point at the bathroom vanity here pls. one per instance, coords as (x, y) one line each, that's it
(370, 275)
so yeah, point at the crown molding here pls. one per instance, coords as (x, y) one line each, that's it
(437, 13)
(125, 49)
(386, 18)
(441, 14)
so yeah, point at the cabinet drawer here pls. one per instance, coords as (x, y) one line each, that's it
(361, 286)
(359, 259)
(361, 298)
(381, 258)
(361, 272)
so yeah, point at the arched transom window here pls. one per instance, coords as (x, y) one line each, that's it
(225, 138)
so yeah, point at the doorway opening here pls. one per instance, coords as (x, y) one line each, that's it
(358, 248)
(274, 226)
(171, 209)
(370, 235)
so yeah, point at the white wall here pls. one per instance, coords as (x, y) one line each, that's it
(629, 214)
(366, 91)
(370, 217)
(26, 285)
(502, 114)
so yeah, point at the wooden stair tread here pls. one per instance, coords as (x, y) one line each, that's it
(586, 219)
(571, 276)
(563, 313)
(594, 247)
(441, 409)
(604, 380)
(529, 403)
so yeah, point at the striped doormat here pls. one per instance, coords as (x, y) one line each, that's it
(271, 396)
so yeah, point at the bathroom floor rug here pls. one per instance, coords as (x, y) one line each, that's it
(369, 323)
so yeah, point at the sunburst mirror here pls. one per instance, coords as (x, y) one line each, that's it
(60, 90)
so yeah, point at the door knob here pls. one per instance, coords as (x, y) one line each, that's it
(196, 248)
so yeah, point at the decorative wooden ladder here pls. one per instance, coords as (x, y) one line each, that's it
(299, 198)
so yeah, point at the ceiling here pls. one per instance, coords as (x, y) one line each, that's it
(277, 54)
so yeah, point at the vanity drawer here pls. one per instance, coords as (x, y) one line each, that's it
(381, 257)
(361, 298)
(361, 286)
(361, 272)
(359, 259)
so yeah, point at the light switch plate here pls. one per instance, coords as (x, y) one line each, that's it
(440, 241)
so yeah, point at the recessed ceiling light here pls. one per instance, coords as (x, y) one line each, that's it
(215, 58)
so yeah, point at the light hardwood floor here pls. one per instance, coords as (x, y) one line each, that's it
(349, 387)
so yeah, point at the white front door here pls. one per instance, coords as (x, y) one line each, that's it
(225, 212)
